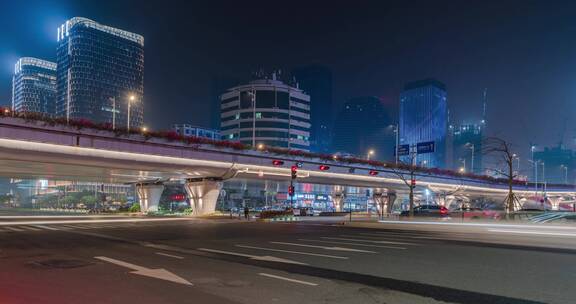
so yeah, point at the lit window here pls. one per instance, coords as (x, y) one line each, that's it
(231, 136)
(258, 115)
(237, 116)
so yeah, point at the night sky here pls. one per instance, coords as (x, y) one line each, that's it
(524, 52)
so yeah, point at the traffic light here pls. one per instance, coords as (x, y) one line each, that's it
(324, 167)
(291, 190)
(277, 162)
(294, 170)
(373, 172)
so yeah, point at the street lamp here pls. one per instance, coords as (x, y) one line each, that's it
(370, 153)
(543, 179)
(463, 168)
(471, 146)
(517, 158)
(260, 146)
(397, 133)
(565, 173)
(131, 98)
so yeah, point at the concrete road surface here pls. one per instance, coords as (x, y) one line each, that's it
(202, 261)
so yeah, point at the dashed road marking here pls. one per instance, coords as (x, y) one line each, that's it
(287, 279)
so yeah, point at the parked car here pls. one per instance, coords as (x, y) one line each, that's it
(427, 210)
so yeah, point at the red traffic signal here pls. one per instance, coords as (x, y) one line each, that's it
(413, 182)
(277, 162)
(373, 172)
(294, 170)
(291, 190)
(324, 167)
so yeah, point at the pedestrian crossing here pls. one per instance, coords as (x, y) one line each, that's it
(59, 227)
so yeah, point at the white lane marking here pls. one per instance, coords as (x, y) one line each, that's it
(170, 255)
(532, 232)
(159, 273)
(31, 228)
(294, 252)
(367, 241)
(253, 257)
(324, 247)
(287, 279)
(19, 223)
(397, 236)
(46, 227)
(479, 225)
(14, 229)
(353, 244)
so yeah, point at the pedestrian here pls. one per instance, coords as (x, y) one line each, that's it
(246, 212)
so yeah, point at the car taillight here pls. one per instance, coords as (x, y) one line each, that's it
(444, 211)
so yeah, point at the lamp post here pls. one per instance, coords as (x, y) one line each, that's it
(397, 133)
(113, 113)
(471, 146)
(131, 98)
(535, 177)
(463, 168)
(565, 173)
(370, 153)
(543, 179)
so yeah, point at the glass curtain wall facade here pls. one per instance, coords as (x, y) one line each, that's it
(190, 130)
(424, 118)
(467, 143)
(267, 112)
(100, 73)
(34, 86)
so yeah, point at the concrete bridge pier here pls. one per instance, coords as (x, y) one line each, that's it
(149, 196)
(338, 198)
(390, 200)
(203, 194)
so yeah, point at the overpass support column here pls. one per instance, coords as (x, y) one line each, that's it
(390, 200)
(149, 196)
(379, 200)
(338, 198)
(203, 194)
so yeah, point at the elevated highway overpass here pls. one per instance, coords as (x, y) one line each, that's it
(34, 149)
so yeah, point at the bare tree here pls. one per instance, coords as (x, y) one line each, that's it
(407, 173)
(502, 150)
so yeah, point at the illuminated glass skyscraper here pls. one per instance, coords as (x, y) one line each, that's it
(34, 86)
(424, 118)
(100, 72)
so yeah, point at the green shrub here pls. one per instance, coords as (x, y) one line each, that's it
(134, 208)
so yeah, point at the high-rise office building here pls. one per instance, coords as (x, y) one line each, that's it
(34, 86)
(467, 148)
(364, 125)
(424, 118)
(316, 81)
(190, 130)
(100, 73)
(268, 112)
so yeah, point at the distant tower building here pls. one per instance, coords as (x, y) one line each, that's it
(316, 81)
(190, 130)
(364, 124)
(100, 71)
(34, 86)
(467, 147)
(266, 111)
(424, 118)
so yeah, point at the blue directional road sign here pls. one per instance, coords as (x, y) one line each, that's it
(425, 147)
(403, 150)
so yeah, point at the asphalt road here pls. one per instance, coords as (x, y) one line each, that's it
(203, 261)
